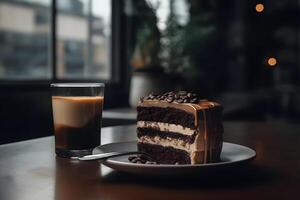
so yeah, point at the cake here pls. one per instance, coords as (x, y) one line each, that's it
(180, 128)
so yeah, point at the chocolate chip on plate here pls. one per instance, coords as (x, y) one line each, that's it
(150, 163)
(135, 160)
(130, 158)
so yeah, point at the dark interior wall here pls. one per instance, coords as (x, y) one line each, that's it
(24, 114)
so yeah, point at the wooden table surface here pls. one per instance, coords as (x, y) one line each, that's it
(29, 170)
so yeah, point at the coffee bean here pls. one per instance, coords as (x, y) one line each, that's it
(179, 100)
(182, 92)
(189, 94)
(170, 97)
(193, 100)
(130, 158)
(135, 160)
(185, 101)
(143, 161)
(150, 163)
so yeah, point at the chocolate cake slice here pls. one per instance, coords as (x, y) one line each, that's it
(180, 128)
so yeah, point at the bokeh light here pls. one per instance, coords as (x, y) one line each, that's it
(259, 7)
(272, 61)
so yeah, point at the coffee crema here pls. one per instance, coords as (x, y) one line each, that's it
(77, 121)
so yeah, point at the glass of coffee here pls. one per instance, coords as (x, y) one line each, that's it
(77, 113)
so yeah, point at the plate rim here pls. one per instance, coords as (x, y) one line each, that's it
(110, 161)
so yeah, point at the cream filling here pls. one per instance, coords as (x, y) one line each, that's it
(166, 127)
(176, 143)
(168, 142)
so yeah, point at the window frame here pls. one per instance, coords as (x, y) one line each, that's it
(118, 74)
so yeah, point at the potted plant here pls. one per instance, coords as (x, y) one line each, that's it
(155, 67)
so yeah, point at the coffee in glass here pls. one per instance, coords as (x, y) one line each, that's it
(77, 112)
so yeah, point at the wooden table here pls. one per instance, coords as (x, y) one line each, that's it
(29, 170)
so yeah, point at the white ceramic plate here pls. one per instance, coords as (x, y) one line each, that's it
(232, 156)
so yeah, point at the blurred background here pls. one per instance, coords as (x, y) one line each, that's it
(244, 54)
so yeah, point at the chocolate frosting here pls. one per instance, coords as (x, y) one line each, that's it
(193, 108)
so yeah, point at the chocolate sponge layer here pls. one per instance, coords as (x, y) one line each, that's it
(165, 155)
(166, 115)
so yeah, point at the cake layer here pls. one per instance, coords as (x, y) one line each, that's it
(170, 155)
(160, 126)
(166, 115)
(165, 155)
(152, 133)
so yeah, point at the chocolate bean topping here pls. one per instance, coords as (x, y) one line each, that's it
(169, 100)
(182, 92)
(194, 100)
(178, 97)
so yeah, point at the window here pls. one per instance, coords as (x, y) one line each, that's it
(24, 37)
(83, 40)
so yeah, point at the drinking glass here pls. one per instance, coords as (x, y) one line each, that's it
(77, 114)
